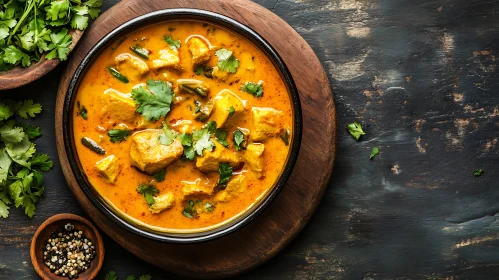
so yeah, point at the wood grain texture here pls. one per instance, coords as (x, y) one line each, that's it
(54, 223)
(279, 223)
(19, 76)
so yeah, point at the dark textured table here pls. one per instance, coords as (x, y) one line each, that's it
(422, 77)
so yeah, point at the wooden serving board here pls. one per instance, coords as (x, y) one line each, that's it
(281, 221)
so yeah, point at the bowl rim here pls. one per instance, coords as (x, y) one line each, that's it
(154, 18)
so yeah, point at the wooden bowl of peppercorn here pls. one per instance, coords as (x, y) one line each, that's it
(65, 243)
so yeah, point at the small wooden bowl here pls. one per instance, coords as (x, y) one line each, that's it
(53, 224)
(19, 76)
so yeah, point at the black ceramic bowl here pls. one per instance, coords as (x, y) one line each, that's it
(175, 15)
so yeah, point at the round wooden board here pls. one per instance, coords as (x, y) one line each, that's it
(271, 231)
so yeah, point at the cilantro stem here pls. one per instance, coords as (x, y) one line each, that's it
(27, 10)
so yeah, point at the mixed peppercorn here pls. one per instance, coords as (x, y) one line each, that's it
(68, 252)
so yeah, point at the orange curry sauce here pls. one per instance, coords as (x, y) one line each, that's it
(122, 194)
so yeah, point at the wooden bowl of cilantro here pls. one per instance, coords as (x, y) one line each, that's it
(36, 35)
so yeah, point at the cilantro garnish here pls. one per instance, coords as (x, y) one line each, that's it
(374, 152)
(478, 172)
(20, 181)
(210, 207)
(82, 111)
(118, 135)
(221, 135)
(168, 135)
(225, 171)
(255, 89)
(30, 28)
(186, 140)
(211, 126)
(231, 111)
(111, 275)
(355, 129)
(154, 102)
(226, 61)
(160, 175)
(189, 210)
(148, 191)
(202, 141)
(174, 44)
(238, 139)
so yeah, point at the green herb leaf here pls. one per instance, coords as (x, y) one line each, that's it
(29, 109)
(168, 135)
(174, 44)
(186, 140)
(226, 61)
(211, 126)
(255, 89)
(111, 275)
(118, 135)
(231, 111)
(355, 129)
(160, 175)
(221, 135)
(210, 207)
(41, 161)
(374, 152)
(148, 191)
(82, 111)
(238, 139)
(225, 171)
(32, 131)
(478, 172)
(189, 210)
(202, 141)
(154, 102)
(130, 277)
(145, 277)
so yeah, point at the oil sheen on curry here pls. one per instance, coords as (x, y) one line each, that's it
(182, 125)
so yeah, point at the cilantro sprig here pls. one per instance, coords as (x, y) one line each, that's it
(29, 29)
(227, 61)
(355, 129)
(252, 88)
(148, 191)
(153, 102)
(21, 182)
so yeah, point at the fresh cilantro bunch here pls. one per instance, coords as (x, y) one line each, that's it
(29, 28)
(21, 181)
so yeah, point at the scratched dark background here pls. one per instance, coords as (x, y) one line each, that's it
(422, 77)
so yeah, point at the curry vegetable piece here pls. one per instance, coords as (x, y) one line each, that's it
(168, 135)
(154, 102)
(193, 86)
(140, 51)
(92, 145)
(355, 129)
(204, 70)
(252, 88)
(162, 202)
(118, 135)
(82, 111)
(226, 61)
(285, 136)
(174, 44)
(115, 73)
(203, 110)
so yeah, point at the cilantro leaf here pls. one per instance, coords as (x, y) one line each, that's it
(211, 126)
(160, 175)
(5, 164)
(186, 140)
(4, 209)
(118, 135)
(238, 139)
(148, 191)
(41, 161)
(154, 102)
(130, 277)
(374, 152)
(145, 277)
(189, 210)
(79, 22)
(59, 45)
(225, 171)
(226, 61)
(82, 111)
(32, 131)
(210, 207)
(168, 135)
(57, 9)
(14, 56)
(29, 109)
(355, 129)
(21, 152)
(11, 134)
(174, 44)
(202, 141)
(111, 275)
(6, 111)
(255, 89)
(478, 172)
(221, 135)
(231, 111)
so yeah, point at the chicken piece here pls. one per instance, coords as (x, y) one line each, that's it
(131, 66)
(219, 74)
(119, 108)
(183, 126)
(162, 202)
(247, 61)
(108, 168)
(236, 186)
(149, 155)
(253, 156)
(167, 58)
(198, 187)
(210, 160)
(267, 122)
(199, 51)
(223, 101)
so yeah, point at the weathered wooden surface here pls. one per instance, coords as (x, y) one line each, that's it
(422, 75)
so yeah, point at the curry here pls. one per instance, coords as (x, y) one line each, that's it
(182, 125)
